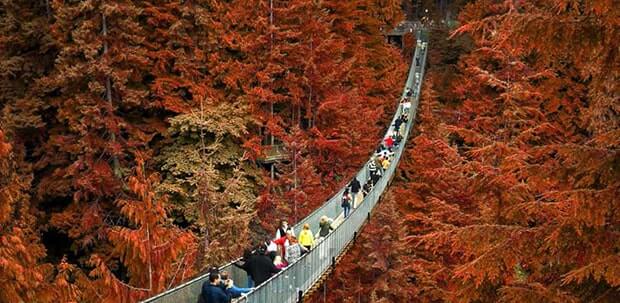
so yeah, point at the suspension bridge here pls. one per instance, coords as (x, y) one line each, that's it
(299, 278)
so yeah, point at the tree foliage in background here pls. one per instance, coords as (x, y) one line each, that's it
(317, 65)
(211, 184)
(510, 194)
(119, 182)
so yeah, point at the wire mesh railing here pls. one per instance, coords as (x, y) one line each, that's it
(297, 278)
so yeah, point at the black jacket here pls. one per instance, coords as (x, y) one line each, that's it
(355, 186)
(398, 122)
(260, 267)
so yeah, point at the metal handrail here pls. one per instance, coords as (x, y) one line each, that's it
(302, 274)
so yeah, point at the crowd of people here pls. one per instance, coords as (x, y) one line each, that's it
(264, 260)
(275, 254)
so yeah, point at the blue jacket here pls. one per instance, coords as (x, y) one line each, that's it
(214, 294)
(236, 292)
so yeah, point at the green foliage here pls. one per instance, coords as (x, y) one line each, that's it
(212, 186)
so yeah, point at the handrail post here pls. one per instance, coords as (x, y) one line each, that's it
(300, 296)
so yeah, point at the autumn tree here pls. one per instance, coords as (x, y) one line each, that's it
(211, 183)
(511, 188)
(20, 249)
(306, 71)
(108, 97)
(155, 253)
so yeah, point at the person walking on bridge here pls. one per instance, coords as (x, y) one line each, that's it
(397, 123)
(373, 169)
(325, 226)
(346, 202)
(306, 239)
(355, 187)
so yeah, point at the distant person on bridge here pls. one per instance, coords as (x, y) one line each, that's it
(306, 239)
(397, 138)
(346, 202)
(282, 229)
(385, 163)
(389, 142)
(379, 159)
(406, 106)
(374, 171)
(355, 187)
(325, 226)
(212, 292)
(367, 187)
(397, 123)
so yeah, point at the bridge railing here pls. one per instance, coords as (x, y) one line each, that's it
(301, 275)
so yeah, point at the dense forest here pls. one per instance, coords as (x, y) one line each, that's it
(133, 136)
(509, 191)
(131, 132)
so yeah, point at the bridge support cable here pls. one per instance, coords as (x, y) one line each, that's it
(289, 285)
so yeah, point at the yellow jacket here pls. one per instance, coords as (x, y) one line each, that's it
(385, 164)
(306, 238)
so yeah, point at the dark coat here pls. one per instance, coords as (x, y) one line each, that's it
(355, 186)
(260, 267)
(214, 294)
(325, 228)
(398, 122)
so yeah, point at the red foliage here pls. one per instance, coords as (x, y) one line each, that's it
(318, 66)
(510, 194)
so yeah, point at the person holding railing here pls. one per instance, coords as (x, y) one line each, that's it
(229, 286)
(247, 254)
(260, 267)
(294, 251)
